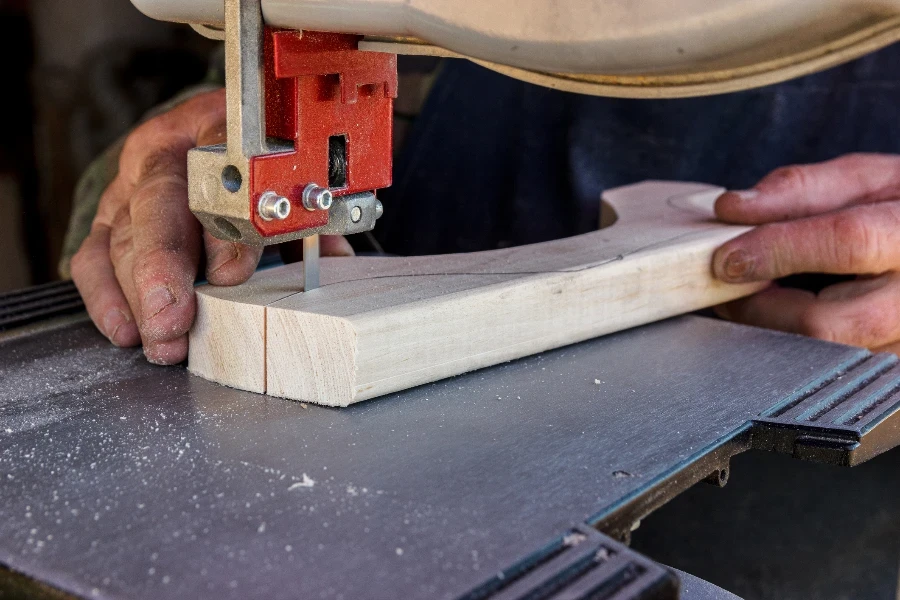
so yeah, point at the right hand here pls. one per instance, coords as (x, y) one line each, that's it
(137, 267)
(837, 217)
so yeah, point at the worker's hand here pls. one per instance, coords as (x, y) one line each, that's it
(840, 217)
(136, 269)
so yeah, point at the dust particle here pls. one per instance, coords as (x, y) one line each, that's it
(306, 482)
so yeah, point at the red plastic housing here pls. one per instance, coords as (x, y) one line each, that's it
(318, 87)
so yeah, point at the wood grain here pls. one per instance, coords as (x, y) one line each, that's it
(379, 325)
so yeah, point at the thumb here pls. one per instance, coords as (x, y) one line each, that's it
(329, 245)
(335, 245)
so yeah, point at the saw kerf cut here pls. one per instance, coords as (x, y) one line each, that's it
(383, 324)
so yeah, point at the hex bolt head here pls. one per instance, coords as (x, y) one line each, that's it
(317, 198)
(272, 206)
(355, 214)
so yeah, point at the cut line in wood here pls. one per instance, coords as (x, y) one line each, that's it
(378, 325)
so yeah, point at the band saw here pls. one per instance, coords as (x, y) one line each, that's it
(123, 480)
(310, 84)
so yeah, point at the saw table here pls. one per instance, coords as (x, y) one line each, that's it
(126, 480)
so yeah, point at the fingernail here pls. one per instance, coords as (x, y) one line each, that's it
(224, 257)
(737, 266)
(156, 301)
(112, 321)
(745, 194)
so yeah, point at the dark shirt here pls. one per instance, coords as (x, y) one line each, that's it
(492, 161)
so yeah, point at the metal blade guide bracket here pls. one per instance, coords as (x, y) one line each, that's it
(309, 135)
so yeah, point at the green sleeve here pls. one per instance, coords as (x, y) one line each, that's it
(97, 177)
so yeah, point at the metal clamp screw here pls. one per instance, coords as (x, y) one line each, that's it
(317, 198)
(272, 206)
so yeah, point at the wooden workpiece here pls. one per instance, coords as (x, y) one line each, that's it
(382, 324)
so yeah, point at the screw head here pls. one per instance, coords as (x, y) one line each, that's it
(379, 209)
(272, 206)
(317, 198)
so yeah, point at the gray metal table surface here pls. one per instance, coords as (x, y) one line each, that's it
(125, 480)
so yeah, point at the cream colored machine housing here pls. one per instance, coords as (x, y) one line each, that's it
(626, 48)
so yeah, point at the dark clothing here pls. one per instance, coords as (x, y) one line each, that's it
(492, 161)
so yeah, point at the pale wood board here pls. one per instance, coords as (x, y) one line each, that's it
(379, 325)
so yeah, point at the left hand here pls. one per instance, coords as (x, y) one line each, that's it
(840, 217)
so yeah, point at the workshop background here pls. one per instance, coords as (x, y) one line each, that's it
(78, 74)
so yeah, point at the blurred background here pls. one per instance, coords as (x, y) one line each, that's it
(78, 74)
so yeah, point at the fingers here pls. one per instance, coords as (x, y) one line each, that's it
(860, 313)
(893, 348)
(329, 245)
(137, 268)
(228, 263)
(838, 217)
(804, 190)
(156, 242)
(782, 309)
(858, 240)
(335, 245)
(167, 244)
(95, 278)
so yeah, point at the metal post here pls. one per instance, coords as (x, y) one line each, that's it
(244, 73)
(310, 263)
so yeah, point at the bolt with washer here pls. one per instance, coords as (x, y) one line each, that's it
(317, 198)
(272, 206)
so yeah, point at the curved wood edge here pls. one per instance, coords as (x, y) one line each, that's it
(380, 325)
